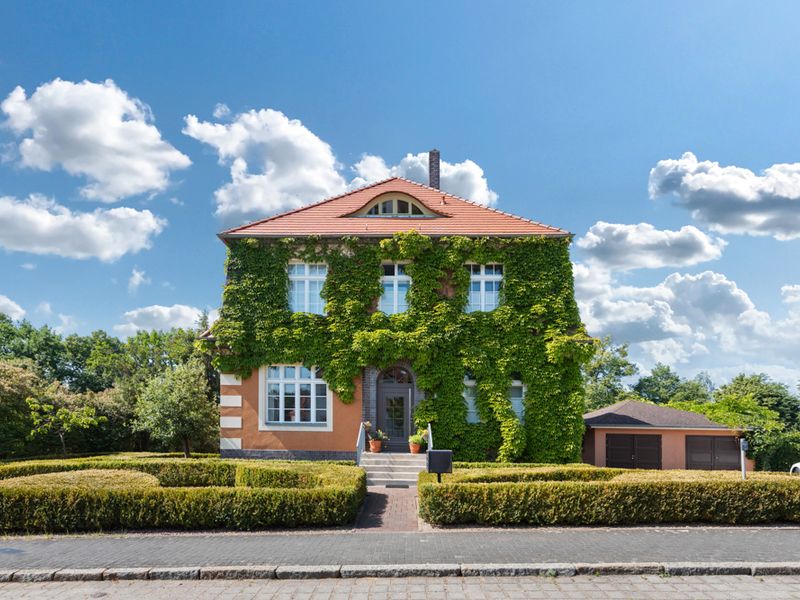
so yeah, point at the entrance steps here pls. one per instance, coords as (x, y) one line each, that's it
(392, 468)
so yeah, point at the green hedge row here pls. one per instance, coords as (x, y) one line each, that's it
(620, 499)
(196, 494)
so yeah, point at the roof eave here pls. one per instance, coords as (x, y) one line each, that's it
(231, 236)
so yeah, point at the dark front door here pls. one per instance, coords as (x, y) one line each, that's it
(633, 451)
(395, 400)
(712, 453)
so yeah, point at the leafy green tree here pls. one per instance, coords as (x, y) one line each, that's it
(767, 393)
(18, 381)
(56, 411)
(175, 409)
(603, 375)
(660, 386)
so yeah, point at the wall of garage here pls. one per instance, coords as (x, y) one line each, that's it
(673, 444)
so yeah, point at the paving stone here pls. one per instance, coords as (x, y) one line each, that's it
(404, 570)
(30, 575)
(307, 571)
(617, 568)
(245, 572)
(174, 573)
(123, 574)
(516, 569)
(706, 568)
(78, 575)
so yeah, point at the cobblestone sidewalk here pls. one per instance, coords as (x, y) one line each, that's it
(646, 587)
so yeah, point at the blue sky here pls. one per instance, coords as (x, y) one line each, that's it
(564, 106)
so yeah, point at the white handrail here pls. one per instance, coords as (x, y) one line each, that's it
(430, 436)
(360, 442)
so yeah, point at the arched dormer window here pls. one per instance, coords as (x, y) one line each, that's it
(395, 205)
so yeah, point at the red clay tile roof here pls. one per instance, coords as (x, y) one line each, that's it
(330, 217)
(632, 413)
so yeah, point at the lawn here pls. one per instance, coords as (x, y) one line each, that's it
(509, 494)
(152, 491)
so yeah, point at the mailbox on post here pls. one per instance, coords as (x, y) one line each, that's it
(440, 461)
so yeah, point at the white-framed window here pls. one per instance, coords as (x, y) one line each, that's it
(395, 284)
(396, 207)
(516, 394)
(470, 394)
(484, 286)
(305, 287)
(295, 395)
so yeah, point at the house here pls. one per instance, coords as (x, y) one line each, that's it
(639, 435)
(399, 305)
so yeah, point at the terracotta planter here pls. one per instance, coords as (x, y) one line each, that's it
(414, 448)
(375, 445)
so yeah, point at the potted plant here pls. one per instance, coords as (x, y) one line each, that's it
(415, 443)
(376, 440)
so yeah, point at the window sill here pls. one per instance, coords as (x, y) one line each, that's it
(295, 427)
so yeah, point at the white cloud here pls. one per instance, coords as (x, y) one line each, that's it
(625, 247)
(28, 266)
(791, 293)
(41, 226)
(67, 324)
(44, 308)
(94, 130)
(221, 110)
(276, 163)
(465, 179)
(157, 317)
(137, 279)
(10, 308)
(732, 199)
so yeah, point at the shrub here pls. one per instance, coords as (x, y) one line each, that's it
(559, 496)
(88, 479)
(781, 452)
(194, 494)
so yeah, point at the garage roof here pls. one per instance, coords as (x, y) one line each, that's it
(632, 413)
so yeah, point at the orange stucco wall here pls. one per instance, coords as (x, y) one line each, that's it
(342, 437)
(673, 444)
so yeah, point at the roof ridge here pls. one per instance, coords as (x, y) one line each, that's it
(502, 212)
(306, 206)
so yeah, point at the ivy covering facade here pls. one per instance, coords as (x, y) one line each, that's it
(535, 334)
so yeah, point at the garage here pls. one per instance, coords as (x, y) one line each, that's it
(712, 453)
(626, 451)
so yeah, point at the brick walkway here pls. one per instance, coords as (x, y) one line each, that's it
(389, 509)
(646, 587)
(550, 545)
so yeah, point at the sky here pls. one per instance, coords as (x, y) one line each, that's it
(662, 134)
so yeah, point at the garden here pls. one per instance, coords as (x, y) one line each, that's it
(161, 491)
(584, 495)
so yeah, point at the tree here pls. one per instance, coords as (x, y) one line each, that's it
(18, 381)
(603, 375)
(660, 386)
(174, 407)
(767, 393)
(57, 412)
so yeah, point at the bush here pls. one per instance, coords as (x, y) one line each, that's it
(571, 496)
(194, 494)
(89, 479)
(780, 452)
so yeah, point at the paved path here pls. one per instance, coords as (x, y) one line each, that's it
(389, 509)
(550, 545)
(646, 587)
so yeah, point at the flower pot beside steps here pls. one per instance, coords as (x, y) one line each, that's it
(375, 445)
(415, 443)
(376, 440)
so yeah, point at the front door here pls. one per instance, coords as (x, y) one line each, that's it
(395, 401)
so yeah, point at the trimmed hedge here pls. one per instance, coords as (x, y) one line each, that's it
(195, 494)
(88, 478)
(576, 496)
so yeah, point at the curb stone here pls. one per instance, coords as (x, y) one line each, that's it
(123, 574)
(704, 568)
(308, 572)
(33, 575)
(6, 575)
(244, 572)
(518, 569)
(404, 570)
(175, 573)
(78, 575)
(618, 568)
(776, 569)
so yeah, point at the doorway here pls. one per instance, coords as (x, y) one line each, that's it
(395, 403)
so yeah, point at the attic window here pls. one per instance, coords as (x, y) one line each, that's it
(396, 207)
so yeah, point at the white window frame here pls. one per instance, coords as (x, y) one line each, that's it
(472, 402)
(521, 413)
(305, 279)
(395, 280)
(379, 206)
(483, 278)
(296, 425)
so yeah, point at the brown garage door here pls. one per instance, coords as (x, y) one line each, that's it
(712, 453)
(633, 451)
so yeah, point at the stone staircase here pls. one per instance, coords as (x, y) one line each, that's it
(392, 468)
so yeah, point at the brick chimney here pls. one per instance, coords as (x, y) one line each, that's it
(433, 168)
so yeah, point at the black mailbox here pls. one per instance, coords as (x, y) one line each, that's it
(440, 461)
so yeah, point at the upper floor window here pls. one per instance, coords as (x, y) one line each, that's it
(305, 287)
(484, 286)
(396, 207)
(395, 289)
(296, 394)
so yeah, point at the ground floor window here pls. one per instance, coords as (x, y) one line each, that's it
(296, 394)
(516, 395)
